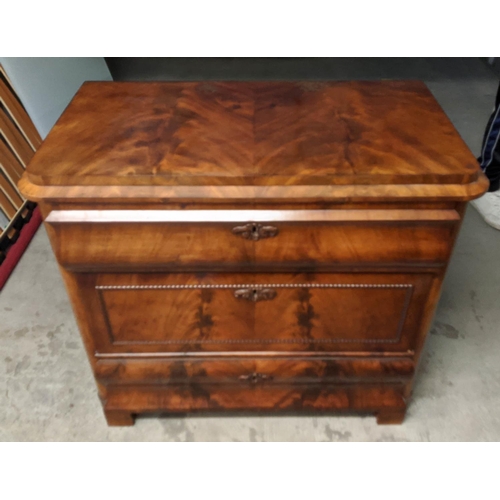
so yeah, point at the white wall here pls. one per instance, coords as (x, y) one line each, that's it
(46, 85)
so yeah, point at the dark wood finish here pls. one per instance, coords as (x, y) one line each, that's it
(128, 196)
(289, 368)
(261, 397)
(181, 312)
(393, 239)
(253, 246)
(253, 133)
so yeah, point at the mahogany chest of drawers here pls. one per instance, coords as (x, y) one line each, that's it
(253, 246)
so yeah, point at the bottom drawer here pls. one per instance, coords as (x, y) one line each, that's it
(137, 314)
(157, 399)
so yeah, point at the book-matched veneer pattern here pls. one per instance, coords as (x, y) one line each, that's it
(266, 246)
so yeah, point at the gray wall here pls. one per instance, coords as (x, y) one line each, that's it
(46, 85)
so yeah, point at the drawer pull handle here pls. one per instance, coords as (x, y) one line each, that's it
(255, 378)
(255, 294)
(255, 232)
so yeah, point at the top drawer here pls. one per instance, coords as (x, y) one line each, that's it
(249, 238)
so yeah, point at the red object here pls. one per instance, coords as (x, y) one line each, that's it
(15, 252)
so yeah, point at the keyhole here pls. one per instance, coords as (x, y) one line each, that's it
(254, 228)
(254, 292)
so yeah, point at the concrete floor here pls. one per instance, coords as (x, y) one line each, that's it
(47, 392)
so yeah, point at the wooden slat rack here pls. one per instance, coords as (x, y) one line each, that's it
(19, 140)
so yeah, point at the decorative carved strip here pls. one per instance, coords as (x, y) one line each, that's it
(255, 285)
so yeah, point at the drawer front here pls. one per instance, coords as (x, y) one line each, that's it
(226, 313)
(255, 371)
(190, 398)
(117, 240)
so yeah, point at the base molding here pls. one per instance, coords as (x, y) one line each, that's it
(124, 402)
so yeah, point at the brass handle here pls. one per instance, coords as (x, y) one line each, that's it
(255, 378)
(255, 294)
(255, 232)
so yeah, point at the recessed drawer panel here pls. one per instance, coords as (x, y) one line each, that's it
(215, 239)
(224, 313)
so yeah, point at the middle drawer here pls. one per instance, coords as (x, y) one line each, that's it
(229, 313)
(213, 239)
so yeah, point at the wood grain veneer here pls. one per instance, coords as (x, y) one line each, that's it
(268, 246)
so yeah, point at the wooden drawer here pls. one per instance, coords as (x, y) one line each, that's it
(255, 370)
(133, 314)
(385, 400)
(214, 239)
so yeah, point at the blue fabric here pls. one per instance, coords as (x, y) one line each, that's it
(490, 151)
(491, 142)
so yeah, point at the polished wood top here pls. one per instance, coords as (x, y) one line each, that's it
(252, 134)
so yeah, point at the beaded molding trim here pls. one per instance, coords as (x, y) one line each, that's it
(253, 285)
(397, 339)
